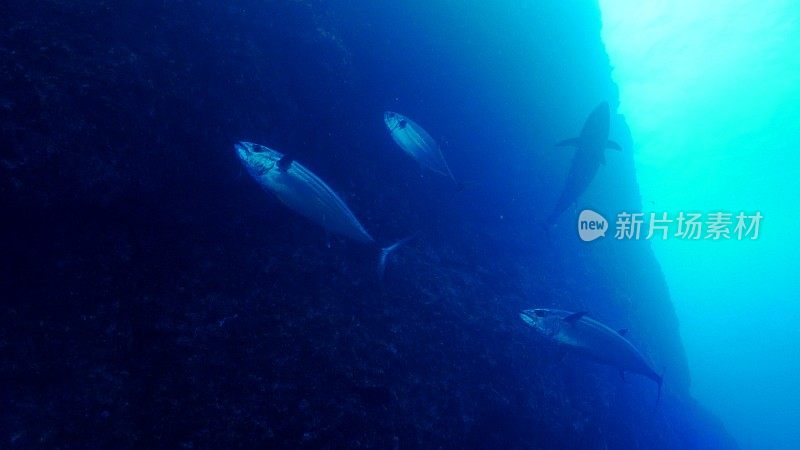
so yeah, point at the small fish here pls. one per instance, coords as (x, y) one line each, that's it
(591, 338)
(415, 141)
(589, 155)
(305, 193)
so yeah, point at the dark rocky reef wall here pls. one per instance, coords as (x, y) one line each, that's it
(153, 297)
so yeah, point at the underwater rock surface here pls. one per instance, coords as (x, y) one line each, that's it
(153, 297)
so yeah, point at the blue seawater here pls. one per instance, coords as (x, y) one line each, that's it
(154, 295)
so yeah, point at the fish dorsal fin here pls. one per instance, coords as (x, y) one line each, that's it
(613, 145)
(572, 142)
(285, 163)
(574, 317)
(622, 331)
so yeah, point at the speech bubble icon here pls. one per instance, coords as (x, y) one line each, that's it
(591, 225)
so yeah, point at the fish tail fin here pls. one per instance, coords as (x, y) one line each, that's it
(561, 206)
(660, 381)
(387, 251)
(459, 185)
(551, 222)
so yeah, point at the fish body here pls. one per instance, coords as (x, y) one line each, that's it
(589, 155)
(415, 141)
(300, 190)
(590, 338)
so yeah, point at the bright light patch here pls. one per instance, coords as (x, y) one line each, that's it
(711, 92)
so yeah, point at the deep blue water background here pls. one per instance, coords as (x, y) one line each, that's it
(156, 297)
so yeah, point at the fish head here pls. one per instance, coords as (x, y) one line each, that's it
(258, 159)
(546, 322)
(394, 120)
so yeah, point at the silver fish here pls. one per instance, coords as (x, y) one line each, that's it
(301, 190)
(591, 338)
(305, 193)
(415, 141)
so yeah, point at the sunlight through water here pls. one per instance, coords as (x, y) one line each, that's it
(711, 92)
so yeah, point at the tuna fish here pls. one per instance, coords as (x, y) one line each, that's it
(415, 141)
(589, 155)
(305, 193)
(586, 336)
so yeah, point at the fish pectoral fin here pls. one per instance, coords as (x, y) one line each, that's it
(622, 331)
(613, 145)
(574, 317)
(572, 142)
(386, 251)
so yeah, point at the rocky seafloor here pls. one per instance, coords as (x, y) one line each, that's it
(153, 297)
